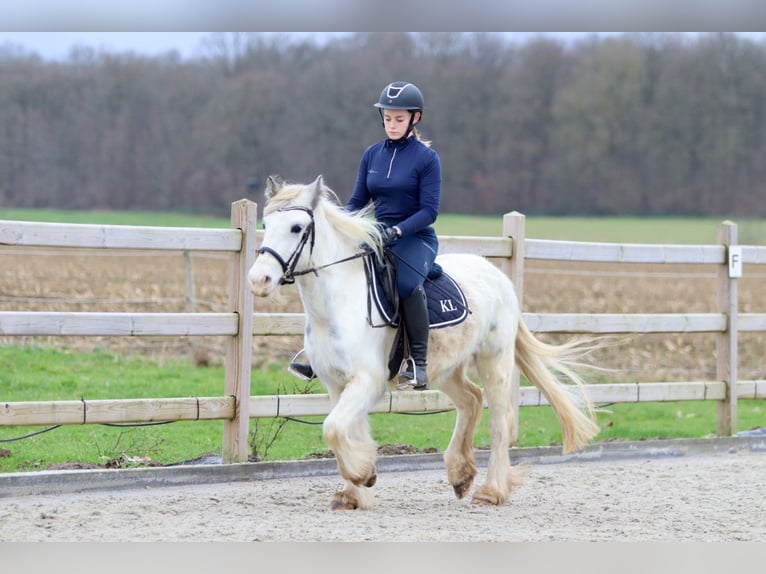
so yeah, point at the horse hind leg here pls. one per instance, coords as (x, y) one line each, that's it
(459, 459)
(502, 478)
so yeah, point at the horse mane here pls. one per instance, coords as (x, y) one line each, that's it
(358, 227)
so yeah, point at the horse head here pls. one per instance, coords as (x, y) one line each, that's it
(288, 237)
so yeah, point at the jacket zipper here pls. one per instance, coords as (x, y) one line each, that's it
(391, 164)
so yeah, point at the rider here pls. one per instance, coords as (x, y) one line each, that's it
(401, 175)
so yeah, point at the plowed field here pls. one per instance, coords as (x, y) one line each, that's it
(66, 280)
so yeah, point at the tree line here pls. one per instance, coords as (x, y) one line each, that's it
(640, 124)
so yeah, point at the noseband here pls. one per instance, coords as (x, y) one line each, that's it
(288, 267)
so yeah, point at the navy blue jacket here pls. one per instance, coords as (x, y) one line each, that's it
(403, 179)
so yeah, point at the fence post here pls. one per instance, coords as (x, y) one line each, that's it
(239, 349)
(191, 296)
(514, 224)
(726, 342)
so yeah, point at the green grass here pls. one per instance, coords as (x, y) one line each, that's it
(150, 218)
(35, 373)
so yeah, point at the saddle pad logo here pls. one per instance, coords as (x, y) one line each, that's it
(447, 305)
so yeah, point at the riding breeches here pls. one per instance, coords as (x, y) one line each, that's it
(415, 256)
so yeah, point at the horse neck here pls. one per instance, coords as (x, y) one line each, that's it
(334, 288)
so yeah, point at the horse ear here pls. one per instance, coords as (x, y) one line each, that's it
(317, 189)
(273, 184)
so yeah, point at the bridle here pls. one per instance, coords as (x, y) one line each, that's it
(288, 267)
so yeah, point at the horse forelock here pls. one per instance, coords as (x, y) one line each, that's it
(285, 197)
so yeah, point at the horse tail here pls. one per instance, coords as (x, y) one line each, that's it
(539, 362)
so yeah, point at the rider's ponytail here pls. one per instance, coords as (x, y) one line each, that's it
(415, 133)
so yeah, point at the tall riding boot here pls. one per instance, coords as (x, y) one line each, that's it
(415, 311)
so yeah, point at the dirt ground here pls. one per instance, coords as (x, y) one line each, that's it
(703, 498)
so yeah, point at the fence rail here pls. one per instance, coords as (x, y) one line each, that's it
(89, 236)
(239, 324)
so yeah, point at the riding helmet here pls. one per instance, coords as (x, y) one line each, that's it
(400, 96)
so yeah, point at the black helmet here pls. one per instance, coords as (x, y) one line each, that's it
(401, 96)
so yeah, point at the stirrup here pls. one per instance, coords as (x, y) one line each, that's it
(301, 370)
(407, 381)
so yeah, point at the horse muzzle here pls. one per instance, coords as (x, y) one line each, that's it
(264, 277)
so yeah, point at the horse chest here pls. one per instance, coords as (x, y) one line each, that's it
(339, 351)
(338, 339)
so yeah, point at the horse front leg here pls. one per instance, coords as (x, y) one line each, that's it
(346, 431)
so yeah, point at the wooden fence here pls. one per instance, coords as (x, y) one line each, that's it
(239, 324)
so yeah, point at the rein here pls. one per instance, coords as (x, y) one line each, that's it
(288, 267)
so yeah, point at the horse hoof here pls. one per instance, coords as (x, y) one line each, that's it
(338, 505)
(341, 501)
(487, 498)
(461, 489)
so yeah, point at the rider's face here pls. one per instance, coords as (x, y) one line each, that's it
(396, 122)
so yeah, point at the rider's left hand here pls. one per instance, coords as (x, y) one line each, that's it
(389, 235)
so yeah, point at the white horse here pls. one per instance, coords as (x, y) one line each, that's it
(312, 240)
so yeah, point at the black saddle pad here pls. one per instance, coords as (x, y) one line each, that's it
(446, 302)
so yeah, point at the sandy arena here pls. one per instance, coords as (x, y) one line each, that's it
(703, 497)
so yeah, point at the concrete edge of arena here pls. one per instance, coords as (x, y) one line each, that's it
(94, 480)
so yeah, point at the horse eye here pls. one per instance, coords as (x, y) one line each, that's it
(295, 228)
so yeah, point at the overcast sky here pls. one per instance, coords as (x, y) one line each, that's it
(57, 45)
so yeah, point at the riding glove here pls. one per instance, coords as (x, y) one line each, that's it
(389, 235)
